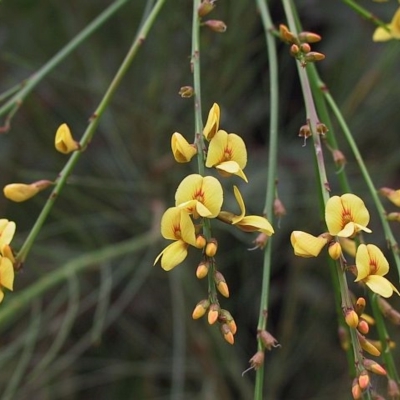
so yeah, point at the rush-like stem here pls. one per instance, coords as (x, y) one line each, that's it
(90, 130)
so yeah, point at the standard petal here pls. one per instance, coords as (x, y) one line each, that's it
(239, 199)
(7, 233)
(381, 34)
(333, 215)
(362, 262)
(356, 208)
(213, 195)
(188, 188)
(237, 149)
(212, 124)
(187, 229)
(306, 245)
(173, 255)
(378, 260)
(170, 223)
(216, 149)
(253, 223)
(379, 285)
(6, 273)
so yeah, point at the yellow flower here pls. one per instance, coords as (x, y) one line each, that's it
(250, 223)
(348, 246)
(306, 245)
(183, 151)
(200, 196)
(227, 153)
(19, 192)
(392, 32)
(176, 225)
(212, 123)
(6, 275)
(64, 142)
(346, 215)
(7, 230)
(371, 268)
(391, 194)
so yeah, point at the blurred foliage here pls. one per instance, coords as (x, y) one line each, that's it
(123, 329)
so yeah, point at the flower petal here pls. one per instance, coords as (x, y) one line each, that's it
(176, 224)
(231, 167)
(238, 149)
(6, 273)
(381, 34)
(356, 206)
(379, 285)
(333, 215)
(172, 255)
(181, 149)
(213, 195)
(378, 259)
(306, 245)
(239, 199)
(212, 124)
(362, 262)
(395, 25)
(253, 223)
(216, 149)
(394, 197)
(7, 231)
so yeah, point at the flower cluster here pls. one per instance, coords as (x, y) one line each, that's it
(199, 199)
(7, 230)
(345, 217)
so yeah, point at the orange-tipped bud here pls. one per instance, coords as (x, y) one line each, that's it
(360, 306)
(368, 318)
(201, 308)
(363, 327)
(335, 250)
(305, 48)
(257, 360)
(351, 318)
(294, 50)
(202, 270)
(393, 389)
(313, 56)
(374, 367)
(279, 208)
(286, 35)
(309, 37)
(211, 247)
(388, 311)
(64, 142)
(227, 334)
(216, 25)
(205, 8)
(268, 340)
(213, 313)
(186, 92)
(344, 338)
(356, 390)
(200, 241)
(221, 284)
(338, 157)
(368, 346)
(226, 317)
(232, 326)
(20, 192)
(363, 380)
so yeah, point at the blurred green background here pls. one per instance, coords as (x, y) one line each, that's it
(122, 329)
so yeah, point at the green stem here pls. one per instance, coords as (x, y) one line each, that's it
(29, 84)
(90, 130)
(271, 180)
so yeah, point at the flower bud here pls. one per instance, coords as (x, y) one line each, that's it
(260, 241)
(335, 250)
(338, 158)
(313, 56)
(363, 327)
(211, 247)
(393, 216)
(356, 390)
(363, 380)
(294, 49)
(221, 284)
(19, 192)
(391, 194)
(205, 8)
(202, 269)
(186, 92)
(181, 149)
(200, 309)
(257, 360)
(267, 340)
(305, 48)
(215, 25)
(279, 208)
(64, 142)
(393, 389)
(322, 128)
(374, 367)
(368, 319)
(368, 346)
(227, 334)
(305, 131)
(309, 37)
(213, 313)
(225, 316)
(360, 305)
(286, 35)
(200, 241)
(351, 318)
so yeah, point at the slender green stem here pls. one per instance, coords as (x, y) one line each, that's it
(30, 83)
(271, 179)
(90, 130)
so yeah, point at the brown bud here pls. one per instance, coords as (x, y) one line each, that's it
(351, 318)
(211, 247)
(374, 367)
(186, 92)
(305, 131)
(226, 317)
(279, 208)
(338, 158)
(257, 360)
(321, 128)
(202, 269)
(215, 25)
(205, 8)
(260, 241)
(268, 340)
(393, 216)
(200, 309)
(309, 37)
(313, 56)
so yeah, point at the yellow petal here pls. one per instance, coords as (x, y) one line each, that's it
(348, 245)
(395, 25)
(356, 206)
(183, 151)
(64, 142)
(176, 224)
(381, 34)
(394, 197)
(212, 124)
(348, 231)
(216, 149)
(1, 295)
(362, 262)
(228, 168)
(379, 285)
(239, 199)
(6, 273)
(19, 192)
(378, 259)
(237, 148)
(306, 245)
(172, 255)
(333, 215)
(7, 232)
(213, 195)
(253, 223)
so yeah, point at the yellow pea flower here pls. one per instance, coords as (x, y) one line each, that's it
(306, 245)
(249, 223)
(346, 215)
(371, 268)
(391, 194)
(64, 142)
(19, 192)
(200, 196)
(6, 275)
(393, 31)
(176, 225)
(212, 124)
(7, 230)
(227, 153)
(183, 151)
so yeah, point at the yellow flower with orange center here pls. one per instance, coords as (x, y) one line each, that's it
(249, 223)
(176, 225)
(392, 30)
(227, 153)
(346, 215)
(306, 245)
(201, 196)
(371, 268)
